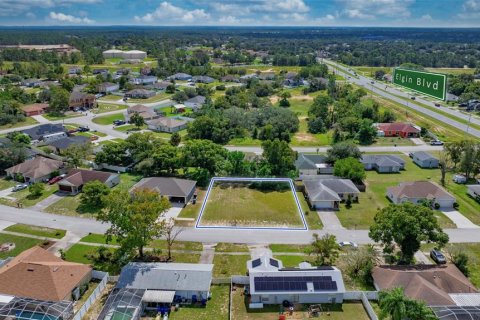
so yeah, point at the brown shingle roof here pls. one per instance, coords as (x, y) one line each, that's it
(79, 177)
(420, 189)
(38, 274)
(429, 283)
(36, 168)
(397, 126)
(35, 107)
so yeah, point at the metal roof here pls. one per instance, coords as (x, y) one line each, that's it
(159, 296)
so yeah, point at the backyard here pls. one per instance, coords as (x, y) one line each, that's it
(216, 309)
(240, 204)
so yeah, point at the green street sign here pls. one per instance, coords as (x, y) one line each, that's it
(427, 83)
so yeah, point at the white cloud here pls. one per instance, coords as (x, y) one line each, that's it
(68, 19)
(167, 13)
(426, 18)
(471, 10)
(370, 9)
(19, 7)
(471, 5)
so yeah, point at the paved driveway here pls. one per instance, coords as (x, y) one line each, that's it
(330, 220)
(460, 220)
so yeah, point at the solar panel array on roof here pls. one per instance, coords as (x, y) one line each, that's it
(320, 283)
(274, 262)
(256, 263)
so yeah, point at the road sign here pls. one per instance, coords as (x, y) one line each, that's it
(428, 83)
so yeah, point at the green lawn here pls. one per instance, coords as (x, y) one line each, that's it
(387, 141)
(108, 107)
(98, 238)
(287, 247)
(28, 122)
(245, 141)
(192, 210)
(130, 127)
(37, 231)
(228, 265)
(216, 309)
(67, 115)
(304, 138)
(27, 200)
(157, 98)
(21, 244)
(231, 247)
(238, 204)
(82, 253)
(108, 119)
(311, 216)
(110, 97)
(291, 261)
(89, 134)
(185, 257)
(5, 184)
(361, 214)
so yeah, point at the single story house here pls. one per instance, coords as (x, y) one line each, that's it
(80, 87)
(144, 111)
(76, 178)
(202, 79)
(328, 193)
(176, 190)
(31, 83)
(473, 190)
(160, 86)
(140, 94)
(418, 191)
(35, 109)
(398, 129)
(143, 80)
(36, 170)
(39, 274)
(312, 164)
(167, 124)
(383, 163)
(180, 76)
(230, 78)
(436, 285)
(272, 283)
(74, 70)
(62, 144)
(266, 75)
(195, 102)
(425, 160)
(107, 87)
(46, 132)
(99, 71)
(81, 100)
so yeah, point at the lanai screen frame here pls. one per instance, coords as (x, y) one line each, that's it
(247, 179)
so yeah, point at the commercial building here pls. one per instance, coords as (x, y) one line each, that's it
(132, 54)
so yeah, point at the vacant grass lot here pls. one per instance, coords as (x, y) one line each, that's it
(361, 214)
(108, 119)
(228, 265)
(21, 244)
(240, 310)
(236, 204)
(216, 309)
(157, 98)
(37, 231)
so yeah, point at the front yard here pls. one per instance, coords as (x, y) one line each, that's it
(37, 231)
(21, 244)
(108, 119)
(27, 200)
(361, 214)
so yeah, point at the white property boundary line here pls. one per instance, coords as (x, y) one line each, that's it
(233, 179)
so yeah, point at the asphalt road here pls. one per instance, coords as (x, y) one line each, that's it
(393, 93)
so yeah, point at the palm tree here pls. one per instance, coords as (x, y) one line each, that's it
(393, 304)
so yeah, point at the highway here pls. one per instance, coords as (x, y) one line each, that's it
(393, 94)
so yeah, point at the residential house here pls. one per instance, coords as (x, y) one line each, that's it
(74, 70)
(167, 124)
(473, 190)
(80, 87)
(145, 112)
(230, 78)
(81, 100)
(107, 87)
(180, 76)
(146, 71)
(425, 160)
(156, 287)
(39, 274)
(143, 80)
(195, 102)
(36, 170)
(328, 193)
(267, 76)
(176, 190)
(202, 79)
(34, 109)
(272, 283)
(312, 164)
(160, 86)
(100, 71)
(436, 285)
(420, 191)
(46, 132)
(63, 144)
(31, 83)
(140, 94)
(398, 129)
(383, 163)
(76, 179)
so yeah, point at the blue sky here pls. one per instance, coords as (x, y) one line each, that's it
(396, 13)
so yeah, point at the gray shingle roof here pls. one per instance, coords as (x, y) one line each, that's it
(382, 159)
(44, 129)
(197, 99)
(172, 187)
(309, 161)
(422, 155)
(166, 276)
(64, 143)
(328, 189)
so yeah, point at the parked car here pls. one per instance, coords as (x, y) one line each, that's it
(372, 82)
(410, 154)
(118, 122)
(436, 143)
(348, 244)
(19, 187)
(412, 97)
(55, 180)
(438, 257)
(437, 105)
(83, 129)
(93, 138)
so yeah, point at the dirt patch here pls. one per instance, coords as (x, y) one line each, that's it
(274, 99)
(305, 137)
(303, 97)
